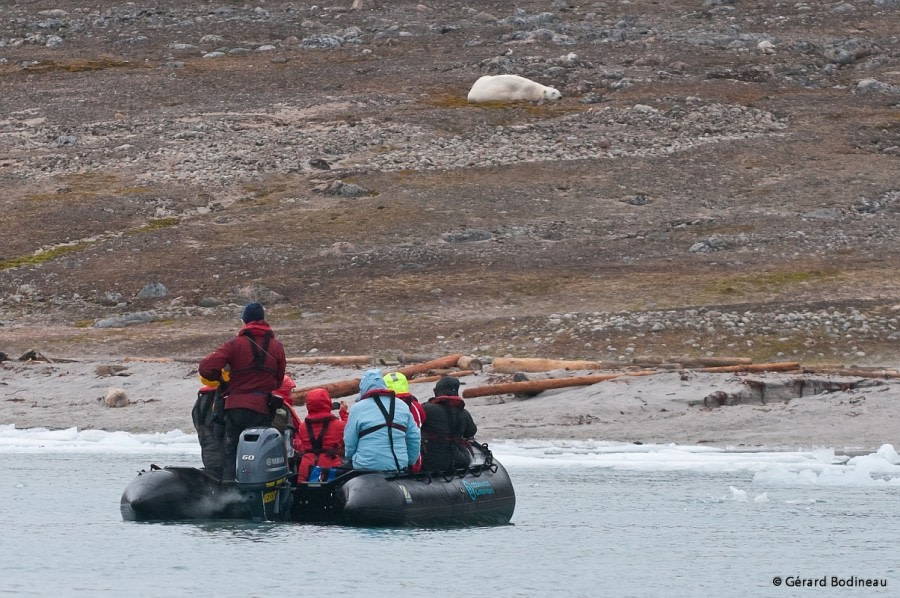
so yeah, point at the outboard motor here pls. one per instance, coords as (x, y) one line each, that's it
(262, 473)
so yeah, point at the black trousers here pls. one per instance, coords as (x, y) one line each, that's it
(236, 421)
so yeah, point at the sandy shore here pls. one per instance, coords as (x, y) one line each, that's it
(761, 411)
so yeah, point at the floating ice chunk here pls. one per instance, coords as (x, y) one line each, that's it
(737, 494)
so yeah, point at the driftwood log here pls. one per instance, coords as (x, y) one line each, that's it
(456, 374)
(855, 372)
(711, 362)
(511, 365)
(786, 366)
(345, 388)
(441, 363)
(149, 359)
(468, 362)
(332, 360)
(533, 387)
(692, 362)
(414, 358)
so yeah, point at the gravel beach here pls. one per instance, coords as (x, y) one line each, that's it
(752, 411)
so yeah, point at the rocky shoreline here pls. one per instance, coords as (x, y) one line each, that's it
(738, 411)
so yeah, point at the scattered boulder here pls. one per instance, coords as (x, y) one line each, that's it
(140, 317)
(872, 85)
(257, 292)
(153, 290)
(468, 235)
(638, 200)
(116, 397)
(110, 298)
(343, 189)
(713, 243)
(210, 302)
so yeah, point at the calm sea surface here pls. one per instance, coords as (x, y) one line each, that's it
(581, 528)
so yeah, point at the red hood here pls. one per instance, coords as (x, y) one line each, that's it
(257, 328)
(285, 391)
(453, 401)
(318, 402)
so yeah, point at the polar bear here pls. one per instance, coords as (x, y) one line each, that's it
(492, 88)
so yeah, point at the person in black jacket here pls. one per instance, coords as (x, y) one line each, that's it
(447, 430)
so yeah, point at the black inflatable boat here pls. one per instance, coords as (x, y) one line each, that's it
(481, 494)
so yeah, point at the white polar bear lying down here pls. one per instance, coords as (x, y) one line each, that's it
(492, 88)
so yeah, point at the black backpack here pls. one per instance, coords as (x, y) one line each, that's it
(209, 421)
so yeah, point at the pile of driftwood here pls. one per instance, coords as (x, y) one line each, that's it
(460, 365)
(427, 369)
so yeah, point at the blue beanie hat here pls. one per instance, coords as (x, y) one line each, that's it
(253, 312)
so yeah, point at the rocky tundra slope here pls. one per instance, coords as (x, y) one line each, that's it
(719, 177)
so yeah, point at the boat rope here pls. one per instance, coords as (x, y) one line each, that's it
(488, 456)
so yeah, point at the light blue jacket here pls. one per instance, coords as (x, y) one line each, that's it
(373, 451)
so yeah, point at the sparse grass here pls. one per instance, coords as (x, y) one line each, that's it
(452, 101)
(290, 315)
(767, 348)
(264, 191)
(86, 186)
(771, 282)
(67, 196)
(511, 111)
(41, 257)
(83, 324)
(154, 225)
(133, 190)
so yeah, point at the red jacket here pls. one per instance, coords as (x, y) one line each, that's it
(250, 385)
(418, 413)
(331, 451)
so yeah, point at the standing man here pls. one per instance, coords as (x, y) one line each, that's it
(256, 364)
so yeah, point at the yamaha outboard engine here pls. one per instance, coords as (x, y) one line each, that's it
(262, 473)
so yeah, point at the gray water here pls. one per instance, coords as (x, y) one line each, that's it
(577, 531)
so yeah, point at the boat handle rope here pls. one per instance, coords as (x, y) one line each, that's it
(488, 457)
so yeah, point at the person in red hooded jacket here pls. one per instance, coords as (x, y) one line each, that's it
(256, 364)
(286, 415)
(320, 440)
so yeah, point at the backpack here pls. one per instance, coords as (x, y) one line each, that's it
(208, 415)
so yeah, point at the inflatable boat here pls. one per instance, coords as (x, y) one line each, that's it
(265, 489)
